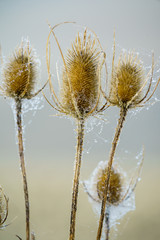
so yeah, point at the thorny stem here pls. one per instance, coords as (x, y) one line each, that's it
(107, 215)
(22, 164)
(80, 136)
(123, 113)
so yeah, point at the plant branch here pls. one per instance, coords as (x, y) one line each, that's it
(123, 113)
(22, 164)
(107, 226)
(80, 130)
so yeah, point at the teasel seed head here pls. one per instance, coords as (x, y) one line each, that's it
(3, 208)
(121, 197)
(95, 186)
(127, 80)
(81, 77)
(19, 73)
(115, 186)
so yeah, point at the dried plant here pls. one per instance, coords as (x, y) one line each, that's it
(120, 193)
(3, 209)
(127, 91)
(19, 78)
(79, 96)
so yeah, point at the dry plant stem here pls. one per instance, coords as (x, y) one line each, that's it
(80, 131)
(22, 163)
(107, 224)
(121, 120)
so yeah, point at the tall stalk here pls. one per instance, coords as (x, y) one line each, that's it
(22, 164)
(123, 113)
(80, 137)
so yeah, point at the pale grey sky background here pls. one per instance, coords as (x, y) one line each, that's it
(50, 141)
(136, 24)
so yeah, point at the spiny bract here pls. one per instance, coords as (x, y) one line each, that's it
(81, 77)
(127, 80)
(19, 73)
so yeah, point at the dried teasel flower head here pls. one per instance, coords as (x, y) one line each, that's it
(127, 80)
(19, 73)
(115, 187)
(95, 186)
(121, 198)
(3, 208)
(81, 77)
(129, 85)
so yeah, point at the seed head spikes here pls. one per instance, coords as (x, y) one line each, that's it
(128, 82)
(80, 92)
(82, 73)
(128, 77)
(19, 73)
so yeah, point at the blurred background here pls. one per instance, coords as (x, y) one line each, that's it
(50, 141)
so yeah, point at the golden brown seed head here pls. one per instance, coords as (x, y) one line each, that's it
(19, 73)
(127, 80)
(115, 188)
(81, 77)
